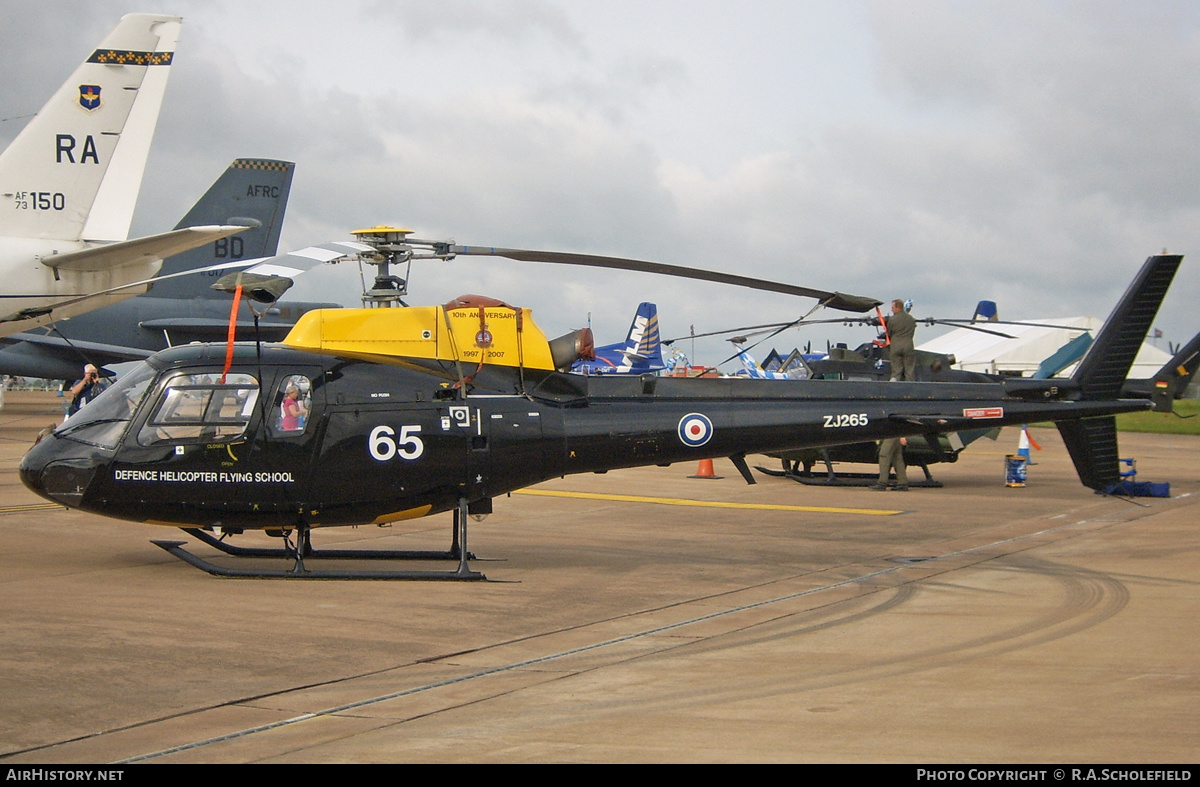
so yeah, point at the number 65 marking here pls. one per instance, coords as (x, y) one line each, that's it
(384, 444)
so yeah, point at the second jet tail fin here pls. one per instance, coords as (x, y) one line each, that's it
(644, 341)
(251, 192)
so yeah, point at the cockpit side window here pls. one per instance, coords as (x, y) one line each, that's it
(103, 421)
(294, 405)
(198, 408)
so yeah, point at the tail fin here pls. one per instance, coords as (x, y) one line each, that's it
(1177, 374)
(1103, 370)
(86, 150)
(644, 342)
(1092, 442)
(1063, 357)
(750, 365)
(250, 192)
(640, 352)
(987, 310)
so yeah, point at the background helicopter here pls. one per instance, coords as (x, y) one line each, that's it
(411, 412)
(870, 361)
(1169, 383)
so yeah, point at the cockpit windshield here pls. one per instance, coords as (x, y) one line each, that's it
(103, 421)
(201, 408)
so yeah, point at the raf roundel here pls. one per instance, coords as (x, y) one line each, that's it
(695, 430)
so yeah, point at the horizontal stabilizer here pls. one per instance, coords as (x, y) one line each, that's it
(47, 340)
(139, 250)
(26, 319)
(204, 326)
(1064, 356)
(293, 263)
(62, 361)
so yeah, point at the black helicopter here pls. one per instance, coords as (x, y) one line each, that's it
(378, 415)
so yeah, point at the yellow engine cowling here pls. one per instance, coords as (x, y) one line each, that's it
(501, 335)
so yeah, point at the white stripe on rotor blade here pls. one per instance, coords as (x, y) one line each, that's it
(317, 253)
(274, 269)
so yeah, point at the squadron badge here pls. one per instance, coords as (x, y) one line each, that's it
(89, 97)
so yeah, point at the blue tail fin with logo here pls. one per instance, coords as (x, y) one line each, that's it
(641, 352)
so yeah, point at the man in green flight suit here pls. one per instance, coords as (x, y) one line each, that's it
(891, 457)
(901, 327)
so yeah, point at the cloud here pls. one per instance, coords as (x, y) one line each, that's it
(1034, 153)
(517, 22)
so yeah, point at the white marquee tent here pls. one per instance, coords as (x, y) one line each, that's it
(983, 352)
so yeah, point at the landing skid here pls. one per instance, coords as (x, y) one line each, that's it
(303, 550)
(332, 554)
(807, 476)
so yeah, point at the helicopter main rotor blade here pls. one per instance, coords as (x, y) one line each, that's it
(931, 321)
(754, 330)
(1016, 323)
(831, 300)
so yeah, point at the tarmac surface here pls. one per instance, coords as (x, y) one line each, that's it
(972, 623)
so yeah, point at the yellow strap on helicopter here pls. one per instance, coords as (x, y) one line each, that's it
(505, 336)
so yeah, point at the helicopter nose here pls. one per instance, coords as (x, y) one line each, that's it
(61, 480)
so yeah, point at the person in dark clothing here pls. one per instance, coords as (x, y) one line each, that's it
(86, 389)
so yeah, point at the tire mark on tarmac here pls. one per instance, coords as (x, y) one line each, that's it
(343, 709)
(536, 661)
(1086, 599)
(1090, 597)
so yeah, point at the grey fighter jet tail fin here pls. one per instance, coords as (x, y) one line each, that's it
(251, 192)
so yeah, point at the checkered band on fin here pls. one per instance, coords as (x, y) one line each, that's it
(124, 57)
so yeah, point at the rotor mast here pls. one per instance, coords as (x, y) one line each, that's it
(392, 246)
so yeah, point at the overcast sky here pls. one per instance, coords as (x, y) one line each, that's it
(1034, 153)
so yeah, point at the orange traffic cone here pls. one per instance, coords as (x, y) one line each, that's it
(705, 470)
